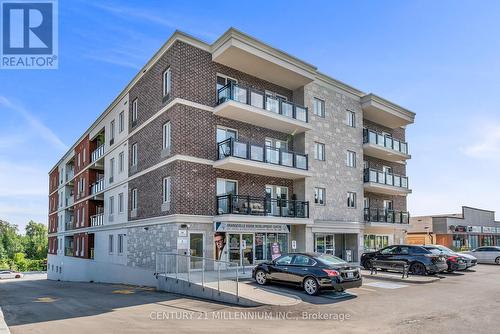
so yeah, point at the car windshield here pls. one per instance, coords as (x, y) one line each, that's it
(445, 249)
(329, 260)
(435, 251)
(439, 250)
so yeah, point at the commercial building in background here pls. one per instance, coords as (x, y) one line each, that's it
(233, 150)
(467, 230)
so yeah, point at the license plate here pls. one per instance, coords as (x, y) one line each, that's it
(350, 275)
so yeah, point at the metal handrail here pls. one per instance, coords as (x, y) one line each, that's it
(386, 216)
(261, 206)
(373, 137)
(391, 179)
(263, 153)
(261, 100)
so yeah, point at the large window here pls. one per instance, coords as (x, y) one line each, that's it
(319, 151)
(121, 122)
(121, 159)
(134, 111)
(134, 199)
(110, 243)
(166, 136)
(120, 203)
(351, 159)
(166, 189)
(351, 200)
(319, 196)
(120, 243)
(350, 118)
(134, 155)
(375, 242)
(167, 82)
(319, 107)
(112, 132)
(111, 205)
(111, 170)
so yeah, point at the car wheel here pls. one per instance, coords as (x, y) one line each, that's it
(367, 264)
(18, 276)
(311, 286)
(260, 277)
(418, 269)
(497, 260)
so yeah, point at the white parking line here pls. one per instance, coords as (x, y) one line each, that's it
(385, 285)
(3, 326)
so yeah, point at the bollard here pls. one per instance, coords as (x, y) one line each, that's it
(203, 274)
(218, 278)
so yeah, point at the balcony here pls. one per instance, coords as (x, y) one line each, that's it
(256, 108)
(261, 206)
(375, 215)
(381, 111)
(69, 225)
(384, 147)
(97, 154)
(97, 220)
(385, 183)
(97, 186)
(262, 160)
(68, 251)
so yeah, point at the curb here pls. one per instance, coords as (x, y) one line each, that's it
(401, 280)
(3, 326)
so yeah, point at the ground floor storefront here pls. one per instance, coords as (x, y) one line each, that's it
(377, 236)
(471, 241)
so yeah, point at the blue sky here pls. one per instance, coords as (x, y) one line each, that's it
(440, 59)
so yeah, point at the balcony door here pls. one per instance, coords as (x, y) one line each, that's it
(223, 134)
(226, 187)
(276, 199)
(273, 147)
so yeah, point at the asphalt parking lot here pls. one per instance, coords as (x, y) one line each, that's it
(459, 303)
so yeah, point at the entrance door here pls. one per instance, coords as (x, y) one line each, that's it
(223, 134)
(273, 147)
(234, 248)
(196, 248)
(277, 198)
(226, 187)
(241, 251)
(247, 252)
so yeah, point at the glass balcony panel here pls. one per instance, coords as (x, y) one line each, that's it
(240, 94)
(240, 150)
(388, 142)
(272, 155)
(287, 109)
(272, 104)
(404, 147)
(287, 159)
(404, 182)
(396, 181)
(389, 179)
(301, 161)
(380, 139)
(397, 146)
(256, 153)
(257, 99)
(301, 113)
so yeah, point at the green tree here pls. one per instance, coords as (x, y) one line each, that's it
(10, 240)
(36, 241)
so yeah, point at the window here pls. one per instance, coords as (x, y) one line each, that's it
(134, 111)
(302, 260)
(120, 243)
(284, 260)
(121, 122)
(223, 80)
(166, 136)
(167, 82)
(84, 154)
(110, 243)
(351, 118)
(134, 154)
(351, 159)
(319, 151)
(319, 196)
(351, 200)
(111, 169)
(112, 205)
(79, 160)
(121, 159)
(134, 199)
(112, 132)
(319, 107)
(120, 203)
(166, 189)
(366, 202)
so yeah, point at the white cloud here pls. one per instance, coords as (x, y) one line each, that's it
(486, 142)
(41, 129)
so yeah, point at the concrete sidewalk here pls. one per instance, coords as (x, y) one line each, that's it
(3, 326)
(397, 277)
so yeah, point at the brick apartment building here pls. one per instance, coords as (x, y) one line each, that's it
(233, 150)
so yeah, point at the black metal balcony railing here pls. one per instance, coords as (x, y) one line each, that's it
(386, 216)
(261, 100)
(268, 154)
(372, 137)
(261, 206)
(376, 176)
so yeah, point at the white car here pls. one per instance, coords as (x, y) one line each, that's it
(486, 254)
(10, 274)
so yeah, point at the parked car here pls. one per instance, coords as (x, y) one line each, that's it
(486, 254)
(311, 271)
(420, 260)
(10, 274)
(453, 260)
(470, 260)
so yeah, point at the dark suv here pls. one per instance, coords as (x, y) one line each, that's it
(420, 260)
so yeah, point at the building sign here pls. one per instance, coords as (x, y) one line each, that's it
(488, 229)
(474, 229)
(235, 227)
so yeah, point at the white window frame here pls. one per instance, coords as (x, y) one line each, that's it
(120, 203)
(111, 169)
(112, 131)
(133, 200)
(351, 159)
(111, 243)
(167, 82)
(120, 244)
(121, 161)
(317, 192)
(134, 154)
(111, 205)
(319, 151)
(134, 110)
(319, 102)
(351, 199)
(167, 135)
(350, 118)
(167, 188)
(121, 122)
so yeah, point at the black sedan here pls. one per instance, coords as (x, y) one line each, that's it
(313, 272)
(420, 260)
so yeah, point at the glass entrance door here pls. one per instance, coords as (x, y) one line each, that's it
(247, 251)
(196, 249)
(234, 248)
(241, 251)
(275, 194)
